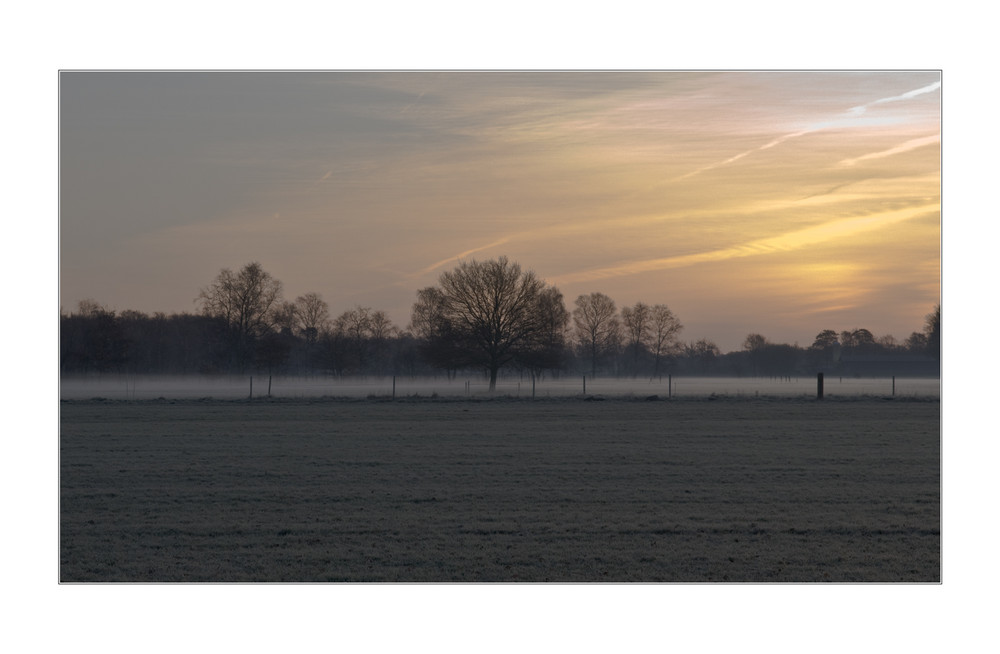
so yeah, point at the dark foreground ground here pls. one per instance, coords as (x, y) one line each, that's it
(789, 490)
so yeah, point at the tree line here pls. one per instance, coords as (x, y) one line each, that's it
(483, 317)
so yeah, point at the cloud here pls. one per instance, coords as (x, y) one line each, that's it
(789, 241)
(912, 144)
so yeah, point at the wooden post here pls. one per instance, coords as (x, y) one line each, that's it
(894, 385)
(251, 387)
(670, 386)
(269, 385)
(532, 387)
(585, 384)
(819, 386)
(394, 387)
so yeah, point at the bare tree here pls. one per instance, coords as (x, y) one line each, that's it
(663, 331)
(598, 330)
(285, 317)
(484, 313)
(246, 301)
(440, 341)
(380, 327)
(313, 315)
(636, 323)
(354, 326)
(547, 347)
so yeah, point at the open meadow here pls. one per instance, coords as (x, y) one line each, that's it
(626, 489)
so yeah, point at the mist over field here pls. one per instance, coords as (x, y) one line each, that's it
(150, 387)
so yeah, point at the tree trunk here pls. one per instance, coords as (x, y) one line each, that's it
(493, 378)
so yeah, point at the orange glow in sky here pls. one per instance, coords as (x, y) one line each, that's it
(782, 203)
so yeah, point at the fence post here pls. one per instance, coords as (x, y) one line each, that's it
(394, 387)
(251, 387)
(532, 387)
(819, 386)
(894, 385)
(585, 384)
(670, 386)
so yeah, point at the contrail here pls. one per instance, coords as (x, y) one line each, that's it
(461, 255)
(853, 111)
(860, 109)
(912, 144)
(726, 162)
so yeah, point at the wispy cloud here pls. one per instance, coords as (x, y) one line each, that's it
(788, 241)
(912, 144)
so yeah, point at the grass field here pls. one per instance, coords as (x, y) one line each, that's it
(503, 490)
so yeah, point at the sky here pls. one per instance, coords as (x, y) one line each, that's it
(778, 203)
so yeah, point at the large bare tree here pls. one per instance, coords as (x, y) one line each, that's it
(598, 330)
(483, 313)
(246, 300)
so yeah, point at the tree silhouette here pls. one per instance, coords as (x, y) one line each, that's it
(598, 330)
(312, 314)
(546, 348)
(484, 313)
(247, 301)
(664, 327)
(825, 339)
(703, 353)
(636, 323)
